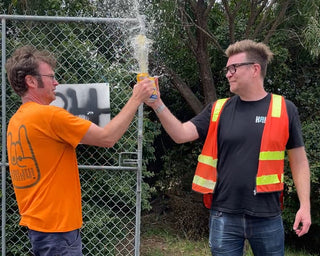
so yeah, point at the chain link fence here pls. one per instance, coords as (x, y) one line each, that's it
(88, 50)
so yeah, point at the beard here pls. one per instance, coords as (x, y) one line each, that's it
(40, 83)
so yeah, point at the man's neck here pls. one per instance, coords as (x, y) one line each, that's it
(30, 98)
(253, 96)
(253, 92)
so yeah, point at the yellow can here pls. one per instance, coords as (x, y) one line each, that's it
(142, 76)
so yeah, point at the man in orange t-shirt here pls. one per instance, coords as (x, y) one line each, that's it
(41, 142)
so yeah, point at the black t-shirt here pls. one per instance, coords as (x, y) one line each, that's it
(239, 137)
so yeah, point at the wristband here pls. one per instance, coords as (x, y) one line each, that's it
(159, 109)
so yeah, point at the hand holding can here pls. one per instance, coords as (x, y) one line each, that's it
(142, 76)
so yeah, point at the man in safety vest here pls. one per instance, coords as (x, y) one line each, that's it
(241, 165)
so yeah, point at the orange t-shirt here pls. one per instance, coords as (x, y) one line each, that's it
(41, 142)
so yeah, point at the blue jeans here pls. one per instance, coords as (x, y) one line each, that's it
(229, 231)
(56, 244)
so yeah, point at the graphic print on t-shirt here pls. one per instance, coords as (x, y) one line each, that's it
(24, 169)
(261, 119)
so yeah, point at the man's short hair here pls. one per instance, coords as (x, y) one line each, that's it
(256, 52)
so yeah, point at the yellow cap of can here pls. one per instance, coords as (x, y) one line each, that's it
(142, 76)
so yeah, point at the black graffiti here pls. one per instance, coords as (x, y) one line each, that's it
(89, 110)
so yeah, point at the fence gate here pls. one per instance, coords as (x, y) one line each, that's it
(88, 51)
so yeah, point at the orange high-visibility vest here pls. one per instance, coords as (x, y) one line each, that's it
(271, 158)
(205, 177)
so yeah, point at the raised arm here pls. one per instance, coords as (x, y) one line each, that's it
(107, 136)
(178, 131)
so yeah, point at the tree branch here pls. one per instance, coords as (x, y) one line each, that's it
(207, 33)
(263, 20)
(277, 21)
(186, 26)
(231, 17)
(256, 7)
(210, 6)
(185, 90)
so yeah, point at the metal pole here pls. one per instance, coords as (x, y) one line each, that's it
(139, 177)
(3, 160)
(69, 19)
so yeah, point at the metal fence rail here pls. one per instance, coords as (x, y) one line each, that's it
(88, 50)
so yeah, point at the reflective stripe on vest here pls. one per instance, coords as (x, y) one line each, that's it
(276, 105)
(271, 155)
(269, 179)
(209, 184)
(217, 110)
(208, 160)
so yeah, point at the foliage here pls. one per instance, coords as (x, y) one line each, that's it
(49, 7)
(294, 73)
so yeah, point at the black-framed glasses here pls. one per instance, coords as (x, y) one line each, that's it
(51, 76)
(233, 67)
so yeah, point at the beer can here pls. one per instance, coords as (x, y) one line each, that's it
(142, 76)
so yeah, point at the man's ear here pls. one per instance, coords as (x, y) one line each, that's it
(257, 69)
(31, 81)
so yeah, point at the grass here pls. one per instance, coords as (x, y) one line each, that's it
(158, 238)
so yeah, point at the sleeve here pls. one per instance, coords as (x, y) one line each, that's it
(68, 127)
(202, 121)
(295, 133)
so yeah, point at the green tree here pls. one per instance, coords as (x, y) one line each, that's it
(201, 30)
(190, 38)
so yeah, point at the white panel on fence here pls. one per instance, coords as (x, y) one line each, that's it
(89, 101)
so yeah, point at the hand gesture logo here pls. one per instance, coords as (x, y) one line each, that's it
(24, 169)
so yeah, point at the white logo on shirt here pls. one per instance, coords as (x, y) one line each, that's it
(261, 119)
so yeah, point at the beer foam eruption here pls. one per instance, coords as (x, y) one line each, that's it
(141, 46)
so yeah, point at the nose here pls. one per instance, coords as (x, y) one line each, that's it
(228, 74)
(55, 82)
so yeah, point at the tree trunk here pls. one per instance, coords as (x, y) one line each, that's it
(201, 51)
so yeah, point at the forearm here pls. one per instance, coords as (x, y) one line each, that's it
(115, 129)
(301, 180)
(178, 131)
(108, 135)
(301, 176)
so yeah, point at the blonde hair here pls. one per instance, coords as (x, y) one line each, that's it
(256, 52)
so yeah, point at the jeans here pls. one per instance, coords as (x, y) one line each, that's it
(229, 231)
(56, 244)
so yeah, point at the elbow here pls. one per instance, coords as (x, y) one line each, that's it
(108, 144)
(179, 140)
(97, 136)
(183, 138)
(104, 142)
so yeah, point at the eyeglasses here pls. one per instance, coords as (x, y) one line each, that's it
(233, 67)
(51, 76)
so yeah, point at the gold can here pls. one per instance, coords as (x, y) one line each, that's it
(142, 76)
